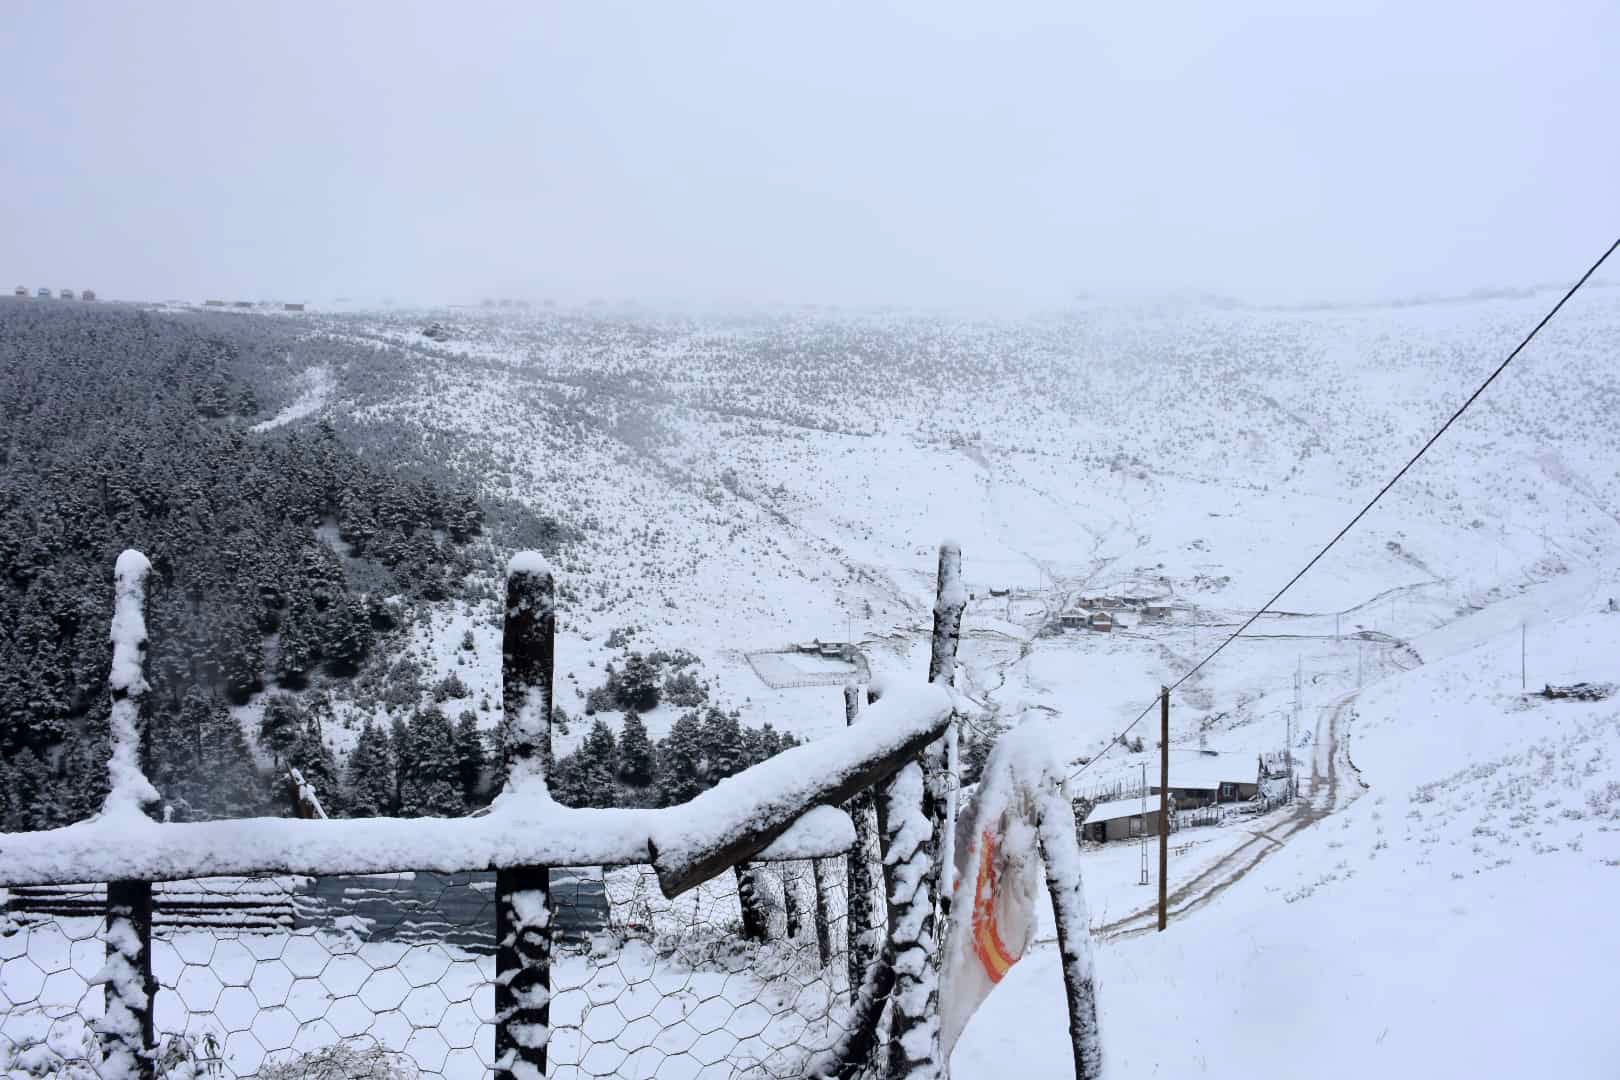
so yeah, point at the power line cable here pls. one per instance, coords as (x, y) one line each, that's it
(1545, 319)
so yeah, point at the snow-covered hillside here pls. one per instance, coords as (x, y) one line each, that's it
(748, 483)
(1453, 916)
(743, 485)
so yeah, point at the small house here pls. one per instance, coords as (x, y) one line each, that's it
(21, 290)
(213, 303)
(1100, 621)
(1121, 819)
(88, 294)
(1155, 612)
(292, 307)
(67, 294)
(1206, 777)
(1074, 618)
(44, 293)
(243, 304)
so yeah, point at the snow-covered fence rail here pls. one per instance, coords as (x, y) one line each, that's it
(164, 1009)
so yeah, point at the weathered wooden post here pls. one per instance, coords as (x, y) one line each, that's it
(523, 894)
(913, 817)
(819, 876)
(863, 946)
(1060, 853)
(128, 1041)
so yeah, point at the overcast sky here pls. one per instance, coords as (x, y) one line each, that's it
(975, 153)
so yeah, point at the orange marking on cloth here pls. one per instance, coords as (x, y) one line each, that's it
(992, 951)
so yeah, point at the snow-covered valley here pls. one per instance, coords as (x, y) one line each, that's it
(742, 487)
(759, 500)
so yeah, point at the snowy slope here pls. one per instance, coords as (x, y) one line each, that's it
(744, 483)
(1469, 890)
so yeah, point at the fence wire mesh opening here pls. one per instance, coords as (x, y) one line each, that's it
(393, 975)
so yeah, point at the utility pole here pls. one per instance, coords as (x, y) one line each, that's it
(1164, 802)
(1524, 633)
(1293, 725)
(1336, 615)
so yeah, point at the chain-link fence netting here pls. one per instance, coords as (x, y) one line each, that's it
(389, 976)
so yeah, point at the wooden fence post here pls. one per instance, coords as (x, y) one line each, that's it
(863, 947)
(913, 815)
(818, 873)
(523, 894)
(1060, 853)
(128, 1041)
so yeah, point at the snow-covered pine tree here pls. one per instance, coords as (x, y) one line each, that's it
(635, 751)
(431, 787)
(681, 775)
(469, 755)
(370, 790)
(399, 748)
(299, 646)
(726, 751)
(637, 684)
(232, 788)
(281, 725)
(601, 750)
(345, 636)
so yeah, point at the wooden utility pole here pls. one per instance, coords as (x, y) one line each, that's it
(1164, 804)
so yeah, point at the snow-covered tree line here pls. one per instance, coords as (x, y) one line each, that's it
(271, 550)
(630, 769)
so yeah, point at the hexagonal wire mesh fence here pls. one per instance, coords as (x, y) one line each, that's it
(394, 976)
(678, 989)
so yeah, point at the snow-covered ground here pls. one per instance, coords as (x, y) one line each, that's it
(1453, 916)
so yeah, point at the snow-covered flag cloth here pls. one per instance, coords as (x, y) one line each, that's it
(997, 883)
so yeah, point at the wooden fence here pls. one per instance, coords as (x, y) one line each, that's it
(786, 808)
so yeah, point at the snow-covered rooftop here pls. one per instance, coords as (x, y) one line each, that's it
(1120, 808)
(1197, 769)
(1188, 769)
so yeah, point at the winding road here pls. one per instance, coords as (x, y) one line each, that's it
(1328, 793)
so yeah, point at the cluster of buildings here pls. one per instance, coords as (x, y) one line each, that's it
(43, 293)
(1101, 613)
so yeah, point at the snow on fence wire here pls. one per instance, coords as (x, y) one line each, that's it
(729, 946)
